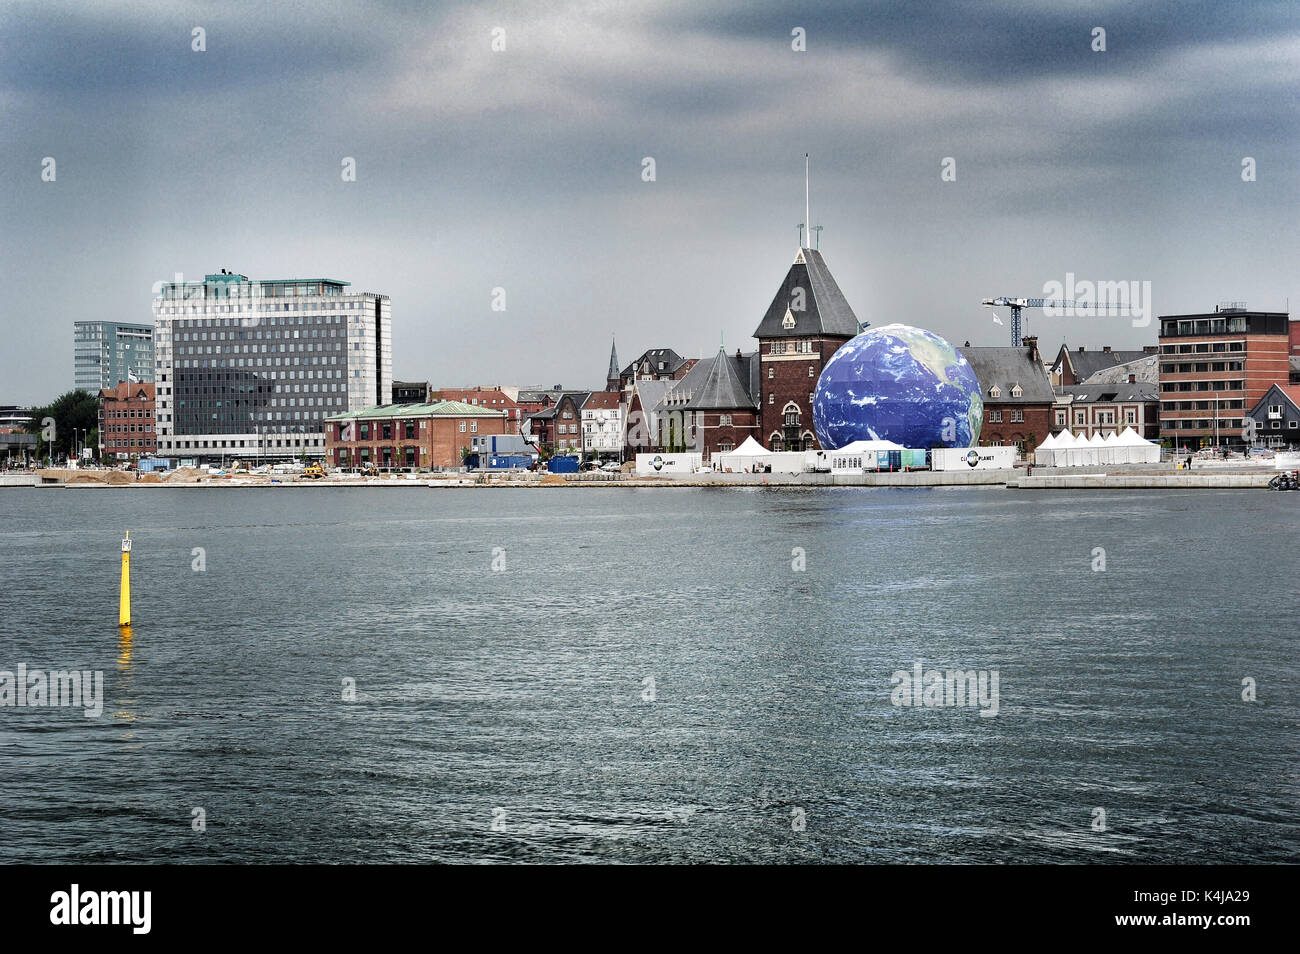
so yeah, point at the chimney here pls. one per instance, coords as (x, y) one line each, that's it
(738, 354)
(1081, 349)
(1150, 349)
(1132, 379)
(1031, 342)
(966, 345)
(1106, 349)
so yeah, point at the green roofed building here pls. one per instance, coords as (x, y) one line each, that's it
(409, 436)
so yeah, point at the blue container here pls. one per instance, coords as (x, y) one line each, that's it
(563, 465)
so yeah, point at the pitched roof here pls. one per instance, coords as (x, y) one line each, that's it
(1143, 368)
(670, 359)
(1088, 363)
(613, 361)
(652, 393)
(1289, 391)
(825, 310)
(1111, 392)
(720, 383)
(602, 401)
(439, 409)
(1007, 367)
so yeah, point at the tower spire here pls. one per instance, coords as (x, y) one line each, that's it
(611, 379)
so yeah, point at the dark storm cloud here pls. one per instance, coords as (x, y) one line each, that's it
(523, 169)
(999, 42)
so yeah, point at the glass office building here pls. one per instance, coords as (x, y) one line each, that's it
(249, 370)
(105, 352)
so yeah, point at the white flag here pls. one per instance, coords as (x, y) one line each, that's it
(996, 320)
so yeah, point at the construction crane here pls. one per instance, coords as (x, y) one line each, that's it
(1015, 304)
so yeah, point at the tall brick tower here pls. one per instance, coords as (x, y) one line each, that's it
(806, 323)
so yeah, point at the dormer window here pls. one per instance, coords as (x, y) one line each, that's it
(788, 321)
(1017, 391)
(995, 391)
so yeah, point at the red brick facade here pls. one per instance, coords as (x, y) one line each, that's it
(1001, 426)
(126, 423)
(790, 369)
(413, 439)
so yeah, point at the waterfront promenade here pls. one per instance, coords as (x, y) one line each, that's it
(1210, 477)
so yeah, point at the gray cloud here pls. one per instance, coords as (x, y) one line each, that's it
(522, 168)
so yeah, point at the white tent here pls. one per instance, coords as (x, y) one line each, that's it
(1138, 450)
(750, 448)
(751, 452)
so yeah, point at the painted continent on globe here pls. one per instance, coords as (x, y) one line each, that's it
(898, 383)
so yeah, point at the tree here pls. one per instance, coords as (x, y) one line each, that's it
(73, 411)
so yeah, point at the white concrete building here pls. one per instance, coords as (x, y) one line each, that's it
(250, 369)
(602, 425)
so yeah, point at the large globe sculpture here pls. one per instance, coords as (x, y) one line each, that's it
(898, 383)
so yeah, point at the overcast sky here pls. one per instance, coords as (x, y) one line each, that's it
(523, 168)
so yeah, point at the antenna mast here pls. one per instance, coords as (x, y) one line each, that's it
(807, 208)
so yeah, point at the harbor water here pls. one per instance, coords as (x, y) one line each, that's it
(641, 675)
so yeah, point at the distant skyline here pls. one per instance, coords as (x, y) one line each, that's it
(522, 168)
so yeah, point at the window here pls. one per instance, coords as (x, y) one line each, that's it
(1017, 416)
(1130, 416)
(811, 373)
(771, 398)
(462, 427)
(1080, 417)
(995, 391)
(1060, 418)
(724, 420)
(771, 371)
(1017, 391)
(473, 427)
(995, 417)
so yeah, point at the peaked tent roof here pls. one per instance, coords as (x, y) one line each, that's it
(749, 448)
(825, 311)
(719, 383)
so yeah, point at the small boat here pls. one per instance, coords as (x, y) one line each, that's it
(1287, 480)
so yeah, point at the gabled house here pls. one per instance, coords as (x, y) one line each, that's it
(713, 409)
(807, 322)
(1277, 416)
(1018, 395)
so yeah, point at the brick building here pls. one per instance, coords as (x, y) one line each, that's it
(567, 422)
(1108, 408)
(497, 399)
(1018, 396)
(126, 421)
(657, 364)
(714, 408)
(1215, 367)
(409, 436)
(807, 322)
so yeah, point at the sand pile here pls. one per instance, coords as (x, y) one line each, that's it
(84, 477)
(183, 475)
(119, 477)
(150, 479)
(552, 479)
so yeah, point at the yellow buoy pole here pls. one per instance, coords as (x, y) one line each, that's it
(124, 595)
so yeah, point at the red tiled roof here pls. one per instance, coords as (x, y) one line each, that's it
(602, 401)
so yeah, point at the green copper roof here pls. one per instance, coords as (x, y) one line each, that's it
(438, 409)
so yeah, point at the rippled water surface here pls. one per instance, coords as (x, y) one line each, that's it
(504, 715)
